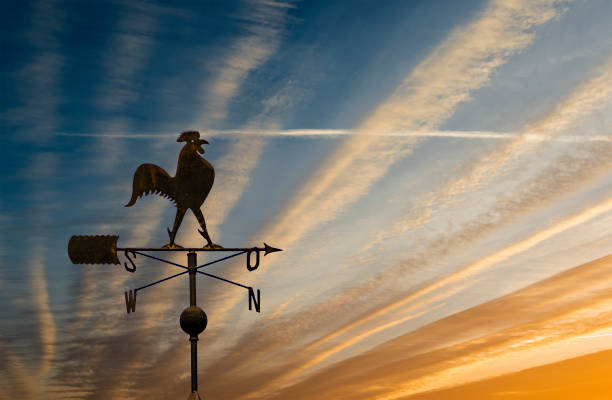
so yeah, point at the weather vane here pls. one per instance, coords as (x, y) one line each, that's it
(187, 189)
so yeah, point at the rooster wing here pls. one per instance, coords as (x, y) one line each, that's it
(150, 178)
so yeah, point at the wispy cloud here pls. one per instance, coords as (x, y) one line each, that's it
(98, 290)
(464, 62)
(434, 355)
(417, 300)
(232, 173)
(17, 378)
(39, 89)
(129, 51)
(588, 98)
(550, 307)
(37, 119)
(265, 23)
(565, 174)
(46, 321)
(451, 282)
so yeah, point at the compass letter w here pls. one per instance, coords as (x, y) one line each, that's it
(130, 301)
(252, 300)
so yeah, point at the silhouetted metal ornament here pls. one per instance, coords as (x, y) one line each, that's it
(193, 320)
(187, 189)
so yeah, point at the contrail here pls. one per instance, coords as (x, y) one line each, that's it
(347, 132)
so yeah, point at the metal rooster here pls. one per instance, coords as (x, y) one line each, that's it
(187, 189)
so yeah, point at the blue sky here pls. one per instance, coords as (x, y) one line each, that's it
(422, 163)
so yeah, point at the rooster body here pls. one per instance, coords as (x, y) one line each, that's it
(187, 189)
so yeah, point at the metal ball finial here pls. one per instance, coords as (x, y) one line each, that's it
(193, 320)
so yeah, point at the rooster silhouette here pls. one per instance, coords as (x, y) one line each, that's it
(188, 189)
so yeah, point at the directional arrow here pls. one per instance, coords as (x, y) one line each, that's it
(269, 249)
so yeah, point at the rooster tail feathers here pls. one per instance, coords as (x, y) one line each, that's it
(150, 178)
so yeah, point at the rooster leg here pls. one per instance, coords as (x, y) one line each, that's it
(180, 213)
(204, 232)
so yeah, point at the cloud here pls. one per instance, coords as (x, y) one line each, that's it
(130, 48)
(46, 322)
(450, 281)
(588, 98)
(581, 377)
(464, 62)
(233, 170)
(544, 187)
(547, 314)
(561, 175)
(37, 119)
(287, 337)
(128, 53)
(537, 316)
(265, 24)
(17, 378)
(39, 79)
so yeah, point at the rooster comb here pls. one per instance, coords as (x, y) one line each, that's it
(188, 135)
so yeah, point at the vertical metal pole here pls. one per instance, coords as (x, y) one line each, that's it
(192, 264)
(192, 261)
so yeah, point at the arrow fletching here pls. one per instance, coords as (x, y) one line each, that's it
(94, 249)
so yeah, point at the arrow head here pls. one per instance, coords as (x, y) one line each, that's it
(269, 249)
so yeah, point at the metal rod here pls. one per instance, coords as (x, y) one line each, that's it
(162, 280)
(191, 263)
(220, 259)
(222, 279)
(190, 249)
(192, 260)
(158, 259)
(194, 363)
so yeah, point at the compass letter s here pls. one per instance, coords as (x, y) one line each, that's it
(130, 301)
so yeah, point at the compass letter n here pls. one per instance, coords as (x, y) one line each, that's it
(130, 301)
(252, 300)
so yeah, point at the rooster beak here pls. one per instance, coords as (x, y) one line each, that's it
(199, 144)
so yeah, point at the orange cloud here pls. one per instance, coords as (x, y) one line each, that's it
(586, 377)
(567, 305)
